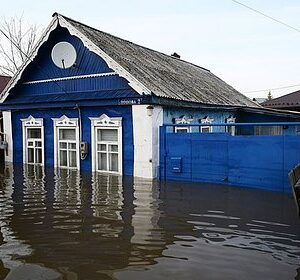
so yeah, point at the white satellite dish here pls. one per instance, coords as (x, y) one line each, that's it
(63, 55)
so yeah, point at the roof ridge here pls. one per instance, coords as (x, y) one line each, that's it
(169, 56)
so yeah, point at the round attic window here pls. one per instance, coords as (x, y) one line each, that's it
(63, 55)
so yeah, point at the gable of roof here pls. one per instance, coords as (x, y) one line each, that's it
(149, 71)
(290, 100)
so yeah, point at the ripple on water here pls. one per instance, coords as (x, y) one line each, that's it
(96, 226)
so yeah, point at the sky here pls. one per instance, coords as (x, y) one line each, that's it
(247, 50)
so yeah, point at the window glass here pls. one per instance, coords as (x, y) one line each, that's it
(181, 130)
(34, 133)
(38, 155)
(72, 155)
(101, 147)
(113, 162)
(268, 130)
(205, 129)
(67, 134)
(63, 158)
(30, 155)
(113, 148)
(107, 135)
(102, 161)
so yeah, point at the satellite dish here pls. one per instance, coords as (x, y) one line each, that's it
(63, 55)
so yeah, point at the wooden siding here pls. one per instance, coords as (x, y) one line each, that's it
(125, 112)
(248, 161)
(87, 64)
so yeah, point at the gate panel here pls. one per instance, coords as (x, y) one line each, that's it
(209, 158)
(251, 161)
(256, 161)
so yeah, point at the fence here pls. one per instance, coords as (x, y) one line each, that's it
(260, 161)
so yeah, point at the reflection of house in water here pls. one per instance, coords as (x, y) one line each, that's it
(89, 231)
(99, 227)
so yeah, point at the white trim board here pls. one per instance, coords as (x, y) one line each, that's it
(146, 140)
(7, 129)
(71, 78)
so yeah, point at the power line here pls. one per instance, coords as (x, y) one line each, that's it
(260, 90)
(267, 16)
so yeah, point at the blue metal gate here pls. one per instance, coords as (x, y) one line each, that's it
(251, 161)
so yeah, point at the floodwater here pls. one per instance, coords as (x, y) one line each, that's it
(58, 224)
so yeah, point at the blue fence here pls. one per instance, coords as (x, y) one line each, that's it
(250, 161)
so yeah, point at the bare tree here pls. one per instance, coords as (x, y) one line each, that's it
(269, 97)
(16, 43)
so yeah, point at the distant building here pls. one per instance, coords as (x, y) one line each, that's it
(259, 100)
(3, 82)
(289, 101)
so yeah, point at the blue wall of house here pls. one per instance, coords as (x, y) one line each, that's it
(218, 116)
(87, 62)
(118, 111)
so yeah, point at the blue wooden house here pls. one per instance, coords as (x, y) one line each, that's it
(89, 100)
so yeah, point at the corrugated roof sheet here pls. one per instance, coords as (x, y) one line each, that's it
(291, 100)
(164, 75)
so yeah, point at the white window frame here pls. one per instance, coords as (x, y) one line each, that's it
(65, 123)
(105, 122)
(29, 123)
(206, 120)
(205, 127)
(186, 129)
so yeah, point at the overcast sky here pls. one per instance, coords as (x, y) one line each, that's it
(247, 50)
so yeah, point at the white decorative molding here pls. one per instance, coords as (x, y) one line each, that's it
(65, 121)
(230, 119)
(104, 120)
(207, 120)
(31, 121)
(183, 120)
(107, 122)
(71, 78)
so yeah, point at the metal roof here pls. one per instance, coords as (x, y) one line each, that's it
(164, 75)
(291, 100)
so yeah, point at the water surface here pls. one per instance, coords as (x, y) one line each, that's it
(58, 224)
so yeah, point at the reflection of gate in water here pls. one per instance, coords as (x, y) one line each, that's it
(251, 161)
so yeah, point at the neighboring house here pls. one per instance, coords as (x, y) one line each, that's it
(289, 101)
(89, 100)
(259, 100)
(3, 82)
